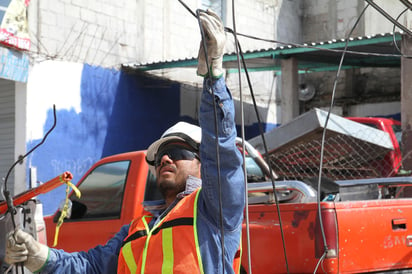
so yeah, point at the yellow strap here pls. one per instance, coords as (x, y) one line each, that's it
(65, 209)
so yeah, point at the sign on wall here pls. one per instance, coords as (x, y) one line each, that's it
(14, 26)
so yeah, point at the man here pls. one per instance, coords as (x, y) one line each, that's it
(187, 236)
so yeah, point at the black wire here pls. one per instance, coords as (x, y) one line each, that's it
(326, 122)
(259, 124)
(326, 248)
(243, 135)
(7, 195)
(210, 76)
(314, 47)
(387, 16)
(184, 5)
(267, 157)
(30, 151)
(394, 40)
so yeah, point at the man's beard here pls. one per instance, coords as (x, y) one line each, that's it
(167, 186)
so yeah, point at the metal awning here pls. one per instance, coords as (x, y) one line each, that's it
(367, 51)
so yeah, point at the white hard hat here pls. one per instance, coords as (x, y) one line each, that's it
(182, 131)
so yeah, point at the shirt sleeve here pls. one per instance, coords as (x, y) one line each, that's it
(224, 177)
(100, 259)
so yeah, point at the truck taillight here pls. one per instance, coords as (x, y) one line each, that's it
(330, 230)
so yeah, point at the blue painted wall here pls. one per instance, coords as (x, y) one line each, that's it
(119, 112)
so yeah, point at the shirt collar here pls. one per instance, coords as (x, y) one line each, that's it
(156, 207)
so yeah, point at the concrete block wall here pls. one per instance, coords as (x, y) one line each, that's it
(324, 20)
(104, 33)
(255, 18)
(259, 19)
(109, 33)
(170, 31)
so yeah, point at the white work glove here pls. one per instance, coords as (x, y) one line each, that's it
(215, 43)
(23, 248)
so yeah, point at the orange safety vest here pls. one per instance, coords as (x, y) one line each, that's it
(171, 246)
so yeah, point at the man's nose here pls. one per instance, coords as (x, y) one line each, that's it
(165, 160)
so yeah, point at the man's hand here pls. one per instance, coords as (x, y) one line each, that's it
(215, 43)
(15, 252)
(23, 248)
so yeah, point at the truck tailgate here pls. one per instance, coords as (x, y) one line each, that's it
(267, 254)
(374, 235)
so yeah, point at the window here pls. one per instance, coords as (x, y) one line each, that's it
(152, 192)
(254, 171)
(102, 192)
(397, 129)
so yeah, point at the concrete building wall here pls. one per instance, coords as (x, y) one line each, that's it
(109, 33)
(259, 19)
(104, 33)
(324, 20)
(394, 9)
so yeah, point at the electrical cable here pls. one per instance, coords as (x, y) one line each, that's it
(222, 231)
(407, 3)
(10, 206)
(242, 126)
(332, 102)
(394, 40)
(344, 51)
(291, 44)
(31, 150)
(267, 158)
(239, 50)
(385, 14)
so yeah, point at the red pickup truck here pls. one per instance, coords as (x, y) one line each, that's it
(366, 223)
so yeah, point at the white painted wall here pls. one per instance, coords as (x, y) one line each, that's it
(51, 82)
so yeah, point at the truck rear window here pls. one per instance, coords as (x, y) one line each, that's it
(102, 192)
(397, 129)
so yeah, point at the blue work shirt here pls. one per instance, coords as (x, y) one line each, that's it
(103, 259)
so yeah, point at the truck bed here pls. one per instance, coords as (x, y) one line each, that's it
(362, 234)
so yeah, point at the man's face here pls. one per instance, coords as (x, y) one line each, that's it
(174, 163)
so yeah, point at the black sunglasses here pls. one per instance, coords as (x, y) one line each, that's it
(175, 154)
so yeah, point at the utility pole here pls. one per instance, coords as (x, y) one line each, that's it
(406, 101)
(289, 90)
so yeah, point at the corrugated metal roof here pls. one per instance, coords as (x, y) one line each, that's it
(366, 51)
